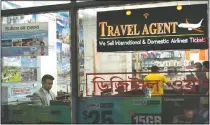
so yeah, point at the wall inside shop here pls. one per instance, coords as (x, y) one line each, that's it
(102, 62)
(94, 62)
(48, 64)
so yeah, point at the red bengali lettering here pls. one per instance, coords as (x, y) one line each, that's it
(102, 84)
(136, 83)
(120, 84)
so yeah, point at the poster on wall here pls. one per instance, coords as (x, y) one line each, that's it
(81, 53)
(63, 61)
(153, 29)
(29, 61)
(29, 39)
(11, 61)
(11, 74)
(62, 27)
(28, 74)
(63, 48)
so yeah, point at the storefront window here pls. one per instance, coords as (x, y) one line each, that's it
(111, 73)
(35, 54)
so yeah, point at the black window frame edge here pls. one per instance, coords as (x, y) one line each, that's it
(73, 8)
(66, 7)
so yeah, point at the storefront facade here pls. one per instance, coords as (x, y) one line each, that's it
(80, 51)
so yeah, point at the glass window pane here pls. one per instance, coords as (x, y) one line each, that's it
(34, 46)
(107, 62)
(112, 83)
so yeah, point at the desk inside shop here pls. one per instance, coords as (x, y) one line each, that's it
(59, 111)
(61, 99)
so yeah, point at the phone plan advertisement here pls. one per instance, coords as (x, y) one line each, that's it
(142, 110)
(95, 110)
(11, 74)
(63, 61)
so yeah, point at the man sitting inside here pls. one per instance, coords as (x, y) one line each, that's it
(44, 95)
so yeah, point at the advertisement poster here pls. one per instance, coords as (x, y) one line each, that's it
(185, 110)
(97, 110)
(17, 74)
(142, 110)
(11, 74)
(11, 61)
(153, 29)
(63, 47)
(27, 61)
(81, 54)
(29, 39)
(20, 90)
(145, 110)
(63, 61)
(62, 27)
(124, 110)
(28, 74)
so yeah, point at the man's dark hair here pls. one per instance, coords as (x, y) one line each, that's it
(198, 65)
(206, 64)
(154, 69)
(42, 43)
(45, 77)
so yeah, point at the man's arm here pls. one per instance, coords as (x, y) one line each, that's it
(36, 99)
(165, 80)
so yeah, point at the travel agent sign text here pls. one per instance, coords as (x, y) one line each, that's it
(153, 29)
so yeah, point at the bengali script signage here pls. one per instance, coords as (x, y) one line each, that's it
(153, 29)
(118, 84)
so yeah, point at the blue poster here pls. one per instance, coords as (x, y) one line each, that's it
(29, 62)
(30, 39)
(63, 47)
(62, 27)
(63, 61)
